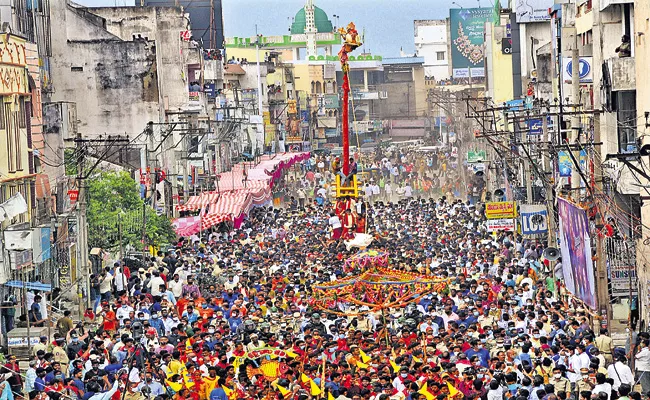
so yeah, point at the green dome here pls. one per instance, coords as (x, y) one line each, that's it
(323, 24)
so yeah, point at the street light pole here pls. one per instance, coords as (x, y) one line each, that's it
(259, 89)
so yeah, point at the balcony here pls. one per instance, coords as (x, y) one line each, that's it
(623, 73)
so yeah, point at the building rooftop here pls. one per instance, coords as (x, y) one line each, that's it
(403, 60)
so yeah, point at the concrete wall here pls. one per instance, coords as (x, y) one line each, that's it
(113, 82)
(499, 65)
(163, 26)
(541, 34)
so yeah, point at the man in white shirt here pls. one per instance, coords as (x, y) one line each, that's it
(335, 223)
(642, 366)
(176, 286)
(620, 373)
(121, 281)
(155, 283)
(123, 312)
(579, 360)
(408, 191)
(105, 285)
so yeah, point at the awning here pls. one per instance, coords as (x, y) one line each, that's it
(42, 287)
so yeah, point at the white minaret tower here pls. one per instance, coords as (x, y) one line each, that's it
(310, 29)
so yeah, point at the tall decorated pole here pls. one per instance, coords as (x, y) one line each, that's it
(345, 132)
(351, 41)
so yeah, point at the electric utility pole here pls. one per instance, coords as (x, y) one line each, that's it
(83, 272)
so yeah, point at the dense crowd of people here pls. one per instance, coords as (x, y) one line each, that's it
(196, 321)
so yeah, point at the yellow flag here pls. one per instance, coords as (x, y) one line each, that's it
(315, 390)
(362, 365)
(227, 391)
(304, 378)
(284, 391)
(329, 396)
(417, 360)
(292, 354)
(395, 366)
(452, 390)
(424, 392)
(236, 363)
(174, 385)
(364, 356)
(189, 382)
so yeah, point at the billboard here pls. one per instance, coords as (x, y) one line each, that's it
(532, 10)
(575, 246)
(534, 219)
(497, 225)
(474, 156)
(467, 40)
(621, 266)
(584, 69)
(500, 210)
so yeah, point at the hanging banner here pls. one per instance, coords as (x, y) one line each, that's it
(575, 246)
(496, 225)
(564, 164)
(500, 210)
(534, 219)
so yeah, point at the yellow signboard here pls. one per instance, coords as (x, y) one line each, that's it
(500, 210)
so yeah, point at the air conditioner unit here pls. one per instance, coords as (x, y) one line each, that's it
(383, 95)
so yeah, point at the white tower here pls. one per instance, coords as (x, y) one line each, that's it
(310, 29)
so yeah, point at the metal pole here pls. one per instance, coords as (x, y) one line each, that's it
(82, 236)
(602, 294)
(119, 232)
(29, 324)
(259, 91)
(575, 121)
(186, 184)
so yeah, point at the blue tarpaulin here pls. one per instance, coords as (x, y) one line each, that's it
(43, 287)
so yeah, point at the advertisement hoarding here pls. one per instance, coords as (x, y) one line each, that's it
(496, 225)
(467, 40)
(500, 210)
(532, 10)
(575, 246)
(534, 219)
(621, 266)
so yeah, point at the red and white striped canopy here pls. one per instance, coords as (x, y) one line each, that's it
(198, 202)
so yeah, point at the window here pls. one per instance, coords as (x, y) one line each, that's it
(3, 123)
(440, 55)
(16, 131)
(11, 144)
(626, 121)
(22, 114)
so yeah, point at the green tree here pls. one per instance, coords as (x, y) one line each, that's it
(114, 200)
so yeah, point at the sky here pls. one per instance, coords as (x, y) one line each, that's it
(388, 24)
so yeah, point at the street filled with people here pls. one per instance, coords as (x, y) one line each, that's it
(233, 314)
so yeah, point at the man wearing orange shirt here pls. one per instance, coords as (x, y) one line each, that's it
(110, 320)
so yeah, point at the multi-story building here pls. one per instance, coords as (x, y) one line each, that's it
(431, 42)
(17, 174)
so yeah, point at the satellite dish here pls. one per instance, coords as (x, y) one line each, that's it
(551, 254)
